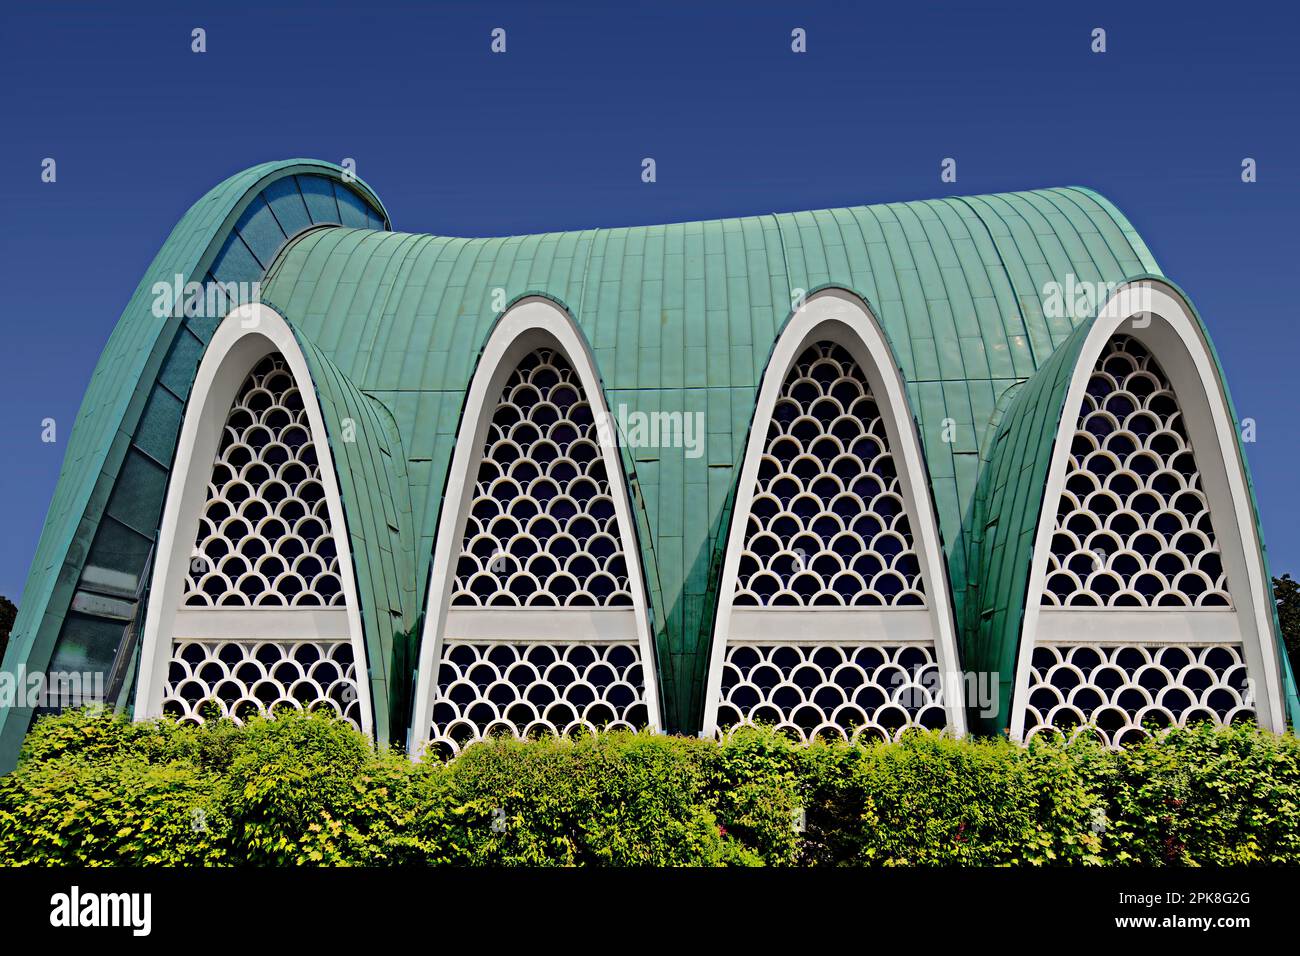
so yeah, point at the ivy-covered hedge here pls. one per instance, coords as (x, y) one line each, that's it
(95, 789)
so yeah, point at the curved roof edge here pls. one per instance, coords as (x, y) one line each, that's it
(1134, 238)
(1003, 519)
(1002, 523)
(120, 448)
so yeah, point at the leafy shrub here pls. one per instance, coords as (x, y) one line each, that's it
(95, 789)
(1206, 796)
(92, 788)
(618, 799)
(283, 775)
(97, 734)
(393, 813)
(934, 800)
(130, 813)
(755, 792)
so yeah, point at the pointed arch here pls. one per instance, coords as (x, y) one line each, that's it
(537, 617)
(1162, 613)
(253, 601)
(1133, 526)
(853, 647)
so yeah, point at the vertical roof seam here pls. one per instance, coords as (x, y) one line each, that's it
(1020, 312)
(785, 262)
(586, 277)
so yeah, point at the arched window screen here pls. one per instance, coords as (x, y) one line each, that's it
(264, 542)
(1125, 692)
(1133, 525)
(1133, 531)
(542, 536)
(828, 530)
(264, 537)
(828, 526)
(848, 691)
(529, 689)
(241, 678)
(541, 530)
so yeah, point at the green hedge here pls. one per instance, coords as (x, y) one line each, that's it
(95, 789)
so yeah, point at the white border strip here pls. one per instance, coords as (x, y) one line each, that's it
(244, 338)
(838, 316)
(807, 626)
(1156, 625)
(261, 623)
(1154, 314)
(564, 625)
(531, 323)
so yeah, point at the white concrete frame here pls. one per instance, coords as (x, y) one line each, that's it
(1156, 315)
(1156, 625)
(531, 323)
(838, 316)
(245, 337)
(269, 623)
(544, 625)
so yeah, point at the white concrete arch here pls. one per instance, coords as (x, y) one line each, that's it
(531, 324)
(841, 318)
(1158, 318)
(244, 338)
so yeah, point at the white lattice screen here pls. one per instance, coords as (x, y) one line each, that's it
(828, 528)
(264, 542)
(541, 535)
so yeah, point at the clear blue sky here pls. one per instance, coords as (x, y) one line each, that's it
(551, 135)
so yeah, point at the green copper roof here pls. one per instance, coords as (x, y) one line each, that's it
(683, 317)
(1003, 520)
(371, 470)
(679, 317)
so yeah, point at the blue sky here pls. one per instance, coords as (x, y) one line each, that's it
(551, 135)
